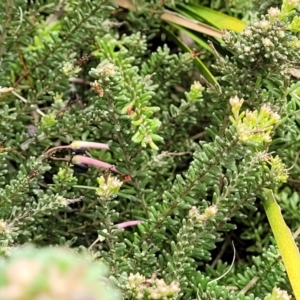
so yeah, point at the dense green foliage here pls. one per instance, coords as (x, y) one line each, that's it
(83, 70)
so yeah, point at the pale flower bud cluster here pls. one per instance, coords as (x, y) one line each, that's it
(5, 90)
(273, 13)
(209, 213)
(263, 24)
(278, 294)
(278, 169)
(108, 187)
(70, 69)
(264, 46)
(267, 42)
(105, 70)
(236, 104)
(152, 288)
(248, 32)
(63, 274)
(196, 91)
(4, 227)
(292, 2)
(61, 200)
(253, 126)
(265, 39)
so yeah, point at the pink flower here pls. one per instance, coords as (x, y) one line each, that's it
(82, 144)
(127, 178)
(83, 160)
(128, 223)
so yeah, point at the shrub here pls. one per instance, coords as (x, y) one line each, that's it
(167, 176)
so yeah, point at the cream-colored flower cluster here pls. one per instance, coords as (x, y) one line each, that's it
(253, 126)
(108, 187)
(278, 294)
(209, 213)
(152, 288)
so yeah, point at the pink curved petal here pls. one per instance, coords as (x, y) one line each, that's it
(128, 223)
(79, 159)
(83, 144)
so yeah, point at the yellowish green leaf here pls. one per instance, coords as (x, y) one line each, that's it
(285, 242)
(215, 18)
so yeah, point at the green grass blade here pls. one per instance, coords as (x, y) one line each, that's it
(201, 66)
(194, 37)
(214, 17)
(284, 239)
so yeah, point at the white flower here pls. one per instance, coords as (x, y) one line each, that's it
(247, 32)
(211, 211)
(264, 24)
(108, 69)
(235, 101)
(108, 187)
(274, 12)
(247, 49)
(292, 2)
(280, 294)
(69, 69)
(267, 42)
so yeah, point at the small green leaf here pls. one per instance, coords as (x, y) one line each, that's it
(230, 164)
